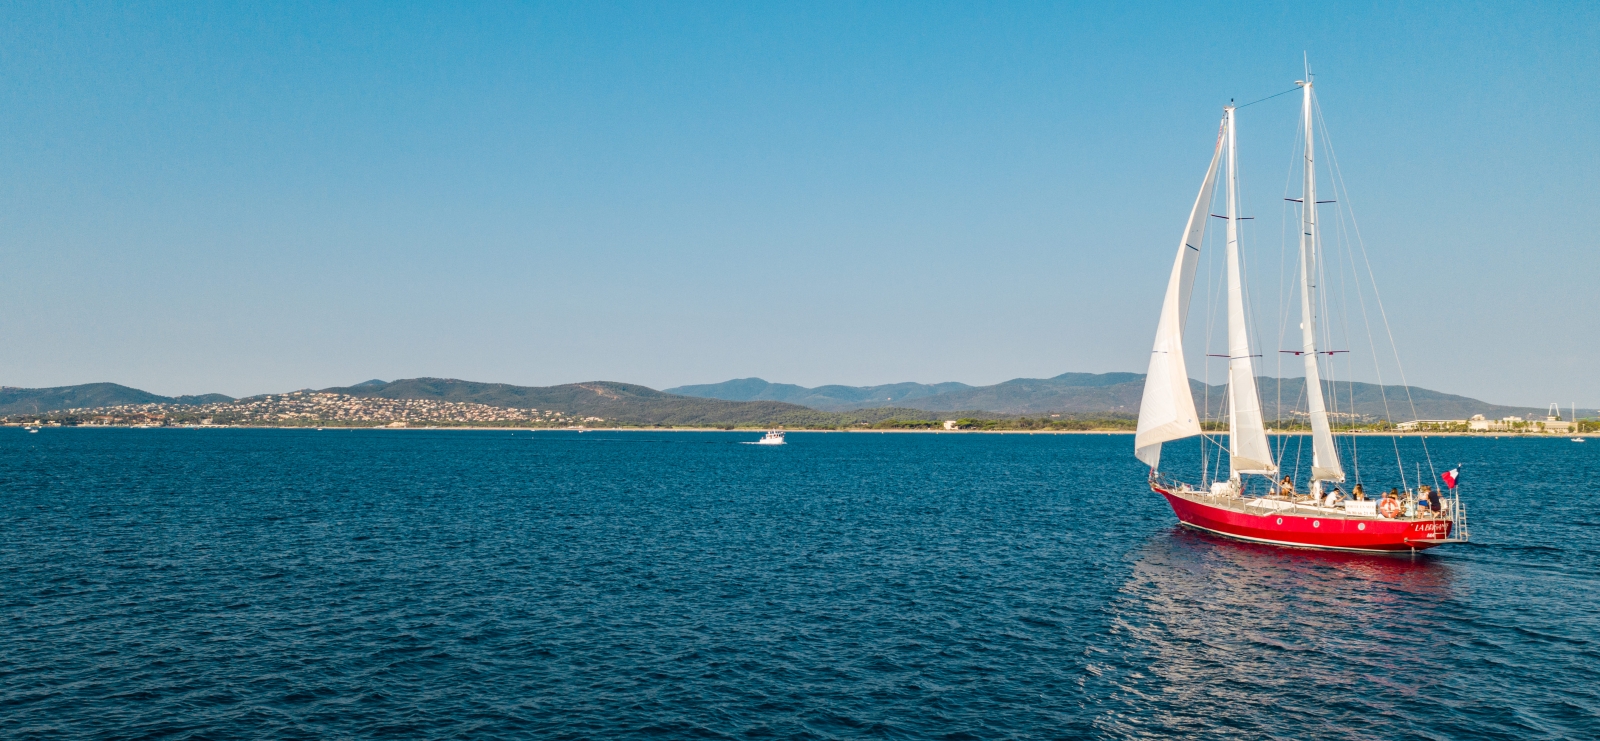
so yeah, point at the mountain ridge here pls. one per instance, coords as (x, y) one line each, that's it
(615, 402)
(16, 400)
(1072, 395)
(1121, 393)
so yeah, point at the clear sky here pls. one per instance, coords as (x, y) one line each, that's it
(244, 198)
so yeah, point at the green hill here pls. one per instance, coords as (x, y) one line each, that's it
(1112, 393)
(620, 402)
(15, 400)
(758, 403)
(827, 398)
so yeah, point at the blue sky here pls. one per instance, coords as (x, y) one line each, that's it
(243, 199)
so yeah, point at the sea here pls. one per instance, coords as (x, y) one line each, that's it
(496, 584)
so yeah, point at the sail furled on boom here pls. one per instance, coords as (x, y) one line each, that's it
(1166, 411)
(1248, 447)
(1325, 464)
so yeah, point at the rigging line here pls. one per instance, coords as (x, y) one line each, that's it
(1204, 438)
(1320, 305)
(1326, 325)
(1299, 447)
(1342, 242)
(1393, 346)
(1213, 440)
(1219, 304)
(1283, 435)
(1377, 366)
(1289, 310)
(1211, 322)
(1283, 301)
(1346, 280)
(1326, 298)
(1269, 97)
(1216, 472)
(1213, 467)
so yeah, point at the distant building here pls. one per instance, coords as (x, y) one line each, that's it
(1430, 424)
(950, 424)
(1550, 424)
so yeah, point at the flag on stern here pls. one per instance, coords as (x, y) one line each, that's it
(1451, 476)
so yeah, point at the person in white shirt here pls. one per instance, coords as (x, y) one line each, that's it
(1334, 497)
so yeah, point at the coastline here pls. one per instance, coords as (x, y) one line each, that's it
(753, 430)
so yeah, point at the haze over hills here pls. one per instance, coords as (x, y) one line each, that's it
(1109, 393)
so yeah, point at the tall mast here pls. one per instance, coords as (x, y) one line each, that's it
(1247, 437)
(1325, 456)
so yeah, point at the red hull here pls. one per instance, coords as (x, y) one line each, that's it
(1302, 531)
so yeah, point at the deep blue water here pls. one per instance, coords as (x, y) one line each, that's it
(490, 584)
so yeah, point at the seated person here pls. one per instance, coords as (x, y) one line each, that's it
(1286, 487)
(1332, 500)
(1359, 493)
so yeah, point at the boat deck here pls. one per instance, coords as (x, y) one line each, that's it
(1301, 506)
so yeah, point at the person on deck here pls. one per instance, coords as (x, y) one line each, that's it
(1359, 493)
(1286, 487)
(1333, 497)
(1390, 503)
(1427, 498)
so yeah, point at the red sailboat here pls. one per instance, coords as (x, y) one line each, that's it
(1319, 515)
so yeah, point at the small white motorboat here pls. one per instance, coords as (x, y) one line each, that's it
(773, 437)
(1579, 440)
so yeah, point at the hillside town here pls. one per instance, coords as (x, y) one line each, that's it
(309, 409)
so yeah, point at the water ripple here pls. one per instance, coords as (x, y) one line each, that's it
(241, 583)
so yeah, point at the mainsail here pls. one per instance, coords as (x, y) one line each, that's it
(1248, 447)
(1325, 456)
(1166, 412)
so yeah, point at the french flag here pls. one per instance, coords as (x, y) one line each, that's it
(1451, 476)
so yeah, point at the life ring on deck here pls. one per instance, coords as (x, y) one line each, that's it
(1390, 508)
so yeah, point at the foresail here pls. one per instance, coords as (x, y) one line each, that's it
(1250, 451)
(1166, 411)
(1325, 464)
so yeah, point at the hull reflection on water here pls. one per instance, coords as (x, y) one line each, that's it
(1204, 628)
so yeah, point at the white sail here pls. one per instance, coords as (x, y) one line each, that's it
(1325, 455)
(1166, 411)
(1248, 447)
